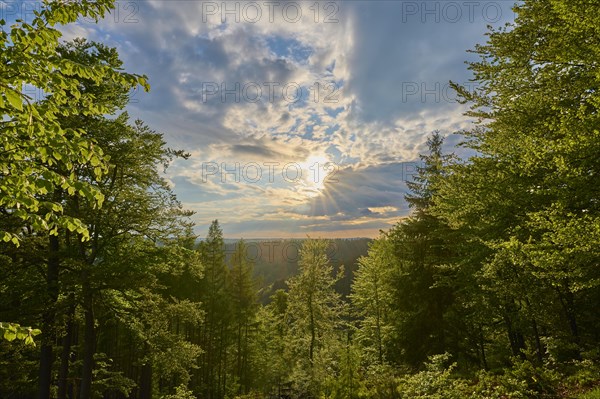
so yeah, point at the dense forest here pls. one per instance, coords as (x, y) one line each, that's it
(489, 289)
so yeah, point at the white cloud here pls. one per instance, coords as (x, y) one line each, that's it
(372, 127)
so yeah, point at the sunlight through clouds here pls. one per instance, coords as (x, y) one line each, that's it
(344, 93)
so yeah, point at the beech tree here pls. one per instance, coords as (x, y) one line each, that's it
(33, 137)
(531, 192)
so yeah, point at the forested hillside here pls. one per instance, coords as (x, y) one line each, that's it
(489, 289)
(277, 260)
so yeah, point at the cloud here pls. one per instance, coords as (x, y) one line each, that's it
(356, 83)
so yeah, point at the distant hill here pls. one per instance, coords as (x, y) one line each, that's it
(275, 260)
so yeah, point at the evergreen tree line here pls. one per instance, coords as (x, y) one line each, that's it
(489, 289)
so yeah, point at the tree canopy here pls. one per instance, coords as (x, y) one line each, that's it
(34, 139)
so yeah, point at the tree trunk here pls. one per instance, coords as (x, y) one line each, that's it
(66, 354)
(239, 354)
(517, 342)
(48, 318)
(46, 357)
(222, 359)
(568, 305)
(312, 330)
(89, 341)
(146, 381)
(538, 342)
(482, 347)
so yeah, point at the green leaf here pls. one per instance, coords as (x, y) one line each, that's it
(14, 98)
(10, 335)
(5, 236)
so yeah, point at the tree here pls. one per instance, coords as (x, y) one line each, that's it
(315, 313)
(272, 346)
(372, 299)
(421, 282)
(140, 212)
(531, 192)
(114, 278)
(217, 320)
(100, 88)
(34, 139)
(243, 292)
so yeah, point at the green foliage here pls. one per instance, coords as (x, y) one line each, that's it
(243, 292)
(108, 278)
(435, 382)
(439, 380)
(34, 138)
(12, 331)
(108, 380)
(500, 255)
(585, 373)
(524, 206)
(181, 392)
(215, 335)
(372, 298)
(379, 382)
(271, 343)
(538, 380)
(593, 394)
(497, 387)
(314, 311)
(171, 356)
(420, 278)
(346, 382)
(17, 368)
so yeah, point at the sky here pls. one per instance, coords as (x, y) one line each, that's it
(302, 118)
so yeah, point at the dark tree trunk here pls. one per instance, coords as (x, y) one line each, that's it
(515, 337)
(538, 343)
(146, 381)
(482, 348)
(89, 341)
(568, 304)
(66, 354)
(46, 357)
(48, 319)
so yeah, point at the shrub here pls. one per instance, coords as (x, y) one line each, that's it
(181, 392)
(435, 382)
